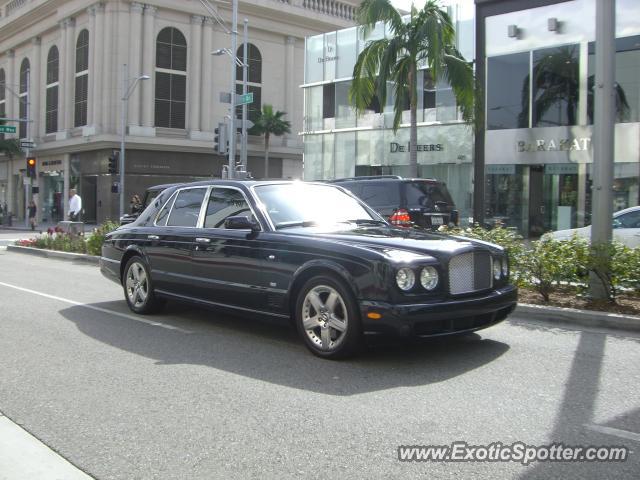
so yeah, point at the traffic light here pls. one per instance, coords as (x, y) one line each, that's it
(220, 138)
(113, 162)
(31, 167)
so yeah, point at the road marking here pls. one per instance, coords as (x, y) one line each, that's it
(616, 432)
(98, 309)
(24, 456)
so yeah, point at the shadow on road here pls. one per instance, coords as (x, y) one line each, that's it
(273, 353)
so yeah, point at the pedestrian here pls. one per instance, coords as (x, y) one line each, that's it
(135, 205)
(75, 205)
(32, 214)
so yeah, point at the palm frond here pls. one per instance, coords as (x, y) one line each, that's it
(372, 11)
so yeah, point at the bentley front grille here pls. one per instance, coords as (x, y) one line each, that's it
(470, 272)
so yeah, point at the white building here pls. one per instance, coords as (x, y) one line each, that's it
(62, 65)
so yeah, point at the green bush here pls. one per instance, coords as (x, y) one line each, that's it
(95, 241)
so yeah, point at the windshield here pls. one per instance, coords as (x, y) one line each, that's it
(304, 204)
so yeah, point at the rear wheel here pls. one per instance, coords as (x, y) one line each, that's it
(327, 318)
(138, 287)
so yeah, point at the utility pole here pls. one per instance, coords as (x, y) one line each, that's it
(603, 149)
(245, 67)
(232, 120)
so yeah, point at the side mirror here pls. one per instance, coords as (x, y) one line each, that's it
(241, 222)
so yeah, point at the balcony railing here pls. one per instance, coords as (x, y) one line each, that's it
(331, 7)
(13, 5)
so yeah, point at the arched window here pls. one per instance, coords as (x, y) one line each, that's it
(51, 108)
(23, 93)
(82, 79)
(3, 108)
(254, 80)
(171, 78)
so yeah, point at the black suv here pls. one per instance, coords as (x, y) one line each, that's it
(423, 202)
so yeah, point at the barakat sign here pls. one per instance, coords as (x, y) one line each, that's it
(431, 147)
(552, 145)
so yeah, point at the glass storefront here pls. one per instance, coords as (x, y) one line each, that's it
(539, 115)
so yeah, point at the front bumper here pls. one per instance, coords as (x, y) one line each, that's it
(442, 317)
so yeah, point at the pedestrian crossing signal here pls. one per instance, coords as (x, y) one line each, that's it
(113, 162)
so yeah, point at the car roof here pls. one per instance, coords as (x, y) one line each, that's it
(246, 183)
(626, 210)
(379, 178)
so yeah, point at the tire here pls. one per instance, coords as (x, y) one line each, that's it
(327, 318)
(138, 287)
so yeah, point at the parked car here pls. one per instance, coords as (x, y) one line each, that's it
(149, 195)
(422, 202)
(311, 253)
(626, 228)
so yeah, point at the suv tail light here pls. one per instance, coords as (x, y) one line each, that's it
(400, 218)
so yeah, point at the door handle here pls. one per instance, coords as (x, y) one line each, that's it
(153, 237)
(203, 240)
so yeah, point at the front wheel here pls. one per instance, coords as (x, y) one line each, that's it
(327, 318)
(138, 287)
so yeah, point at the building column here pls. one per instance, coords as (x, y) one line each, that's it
(91, 94)
(108, 99)
(135, 33)
(10, 99)
(97, 60)
(193, 76)
(68, 77)
(206, 112)
(35, 112)
(290, 139)
(148, 62)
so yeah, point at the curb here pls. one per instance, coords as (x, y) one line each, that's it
(573, 316)
(41, 252)
(548, 314)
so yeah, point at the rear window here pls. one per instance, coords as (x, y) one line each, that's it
(380, 194)
(427, 194)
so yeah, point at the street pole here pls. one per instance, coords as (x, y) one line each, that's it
(123, 128)
(603, 149)
(232, 121)
(245, 67)
(28, 186)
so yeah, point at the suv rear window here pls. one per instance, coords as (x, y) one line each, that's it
(427, 194)
(380, 194)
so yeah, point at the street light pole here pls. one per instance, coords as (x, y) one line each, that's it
(245, 67)
(127, 90)
(232, 130)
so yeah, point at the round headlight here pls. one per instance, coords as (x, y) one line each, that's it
(497, 268)
(405, 278)
(505, 267)
(429, 278)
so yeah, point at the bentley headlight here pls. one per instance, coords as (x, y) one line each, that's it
(429, 278)
(405, 278)
(497, 268)
(505, 267)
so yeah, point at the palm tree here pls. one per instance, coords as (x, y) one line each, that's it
(270, 123)
(427, 36)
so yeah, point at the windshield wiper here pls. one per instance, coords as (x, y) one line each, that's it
(367, 221)
(297, 223)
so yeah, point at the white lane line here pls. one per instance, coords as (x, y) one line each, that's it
(616, 432)
(98, 309)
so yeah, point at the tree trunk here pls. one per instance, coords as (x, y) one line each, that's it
(413, 134)
(266, 155)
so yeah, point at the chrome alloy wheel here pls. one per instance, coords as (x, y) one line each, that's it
(324, 317)
(137, 285)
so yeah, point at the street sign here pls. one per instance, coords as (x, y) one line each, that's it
(248, 123)
(225, 97)
(25, 144)
(7, 129)
(244, 99)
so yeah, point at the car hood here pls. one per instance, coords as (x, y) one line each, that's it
(399, 244)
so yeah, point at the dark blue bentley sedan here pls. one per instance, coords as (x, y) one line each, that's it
(311, 253)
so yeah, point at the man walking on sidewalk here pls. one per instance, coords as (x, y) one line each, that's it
(75, 205)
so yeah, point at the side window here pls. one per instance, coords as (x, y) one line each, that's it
(630, 220)
(223, 203)
(186, 208)
(161, 219)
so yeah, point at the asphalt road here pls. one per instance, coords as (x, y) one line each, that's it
(192, 394)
